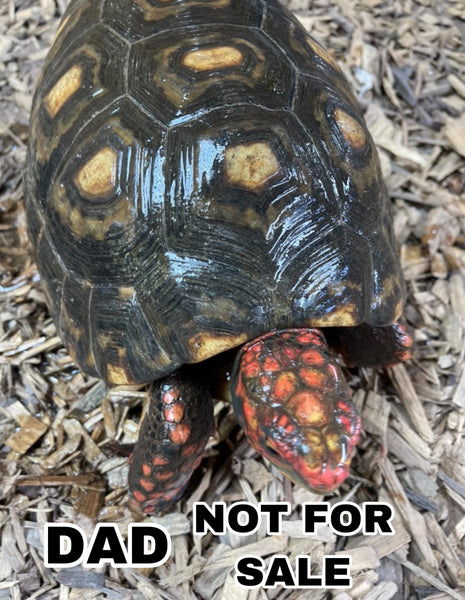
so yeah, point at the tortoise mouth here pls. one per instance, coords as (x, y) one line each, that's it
(322, 479)
(308, 461)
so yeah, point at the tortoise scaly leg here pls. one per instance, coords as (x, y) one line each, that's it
(368, 346)
(171, 442)
(291, 398)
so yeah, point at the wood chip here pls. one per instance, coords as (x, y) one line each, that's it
(455, 568)
(363, 557)
(434, 581)
(412, 520)
(411, 402)
(30, 432)
(454, 130)
(401, 449)
(384, 591)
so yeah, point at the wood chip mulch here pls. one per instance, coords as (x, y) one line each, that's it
(59, 429)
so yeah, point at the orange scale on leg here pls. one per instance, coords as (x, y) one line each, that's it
(174, 413)
(170, 396)
(406, 340)
(146, 469)
(164, 475)
(180, 433)
(147, 485)
(139, 496)
(158, 461)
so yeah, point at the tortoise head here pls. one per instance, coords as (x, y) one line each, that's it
(292, 400)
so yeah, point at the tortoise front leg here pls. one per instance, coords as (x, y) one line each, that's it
(368, 346)
(171, 442)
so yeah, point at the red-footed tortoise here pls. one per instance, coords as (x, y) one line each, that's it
(200, 177)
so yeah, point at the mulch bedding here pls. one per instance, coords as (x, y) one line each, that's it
(405, 59)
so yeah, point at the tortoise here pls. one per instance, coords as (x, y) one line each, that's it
(200, 178)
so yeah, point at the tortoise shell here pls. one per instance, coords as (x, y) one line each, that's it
(199, 173)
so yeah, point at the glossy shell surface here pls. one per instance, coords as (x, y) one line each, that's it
(199, 173)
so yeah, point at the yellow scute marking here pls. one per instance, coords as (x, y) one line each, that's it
(152, 12)
(352, 131)
(203, 345)
(97, 178)
(84, 225)
(90, 360)
(391, 284)
(64, 88)
(61, 27)
(126, 292)
(249, 166)
(322, 53)
(208, 59)
(117, 375)
(345, 316)
(398, 310)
